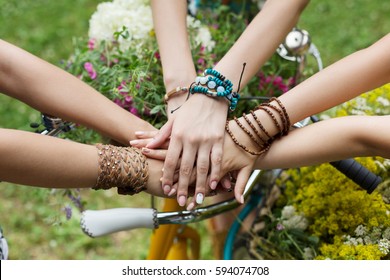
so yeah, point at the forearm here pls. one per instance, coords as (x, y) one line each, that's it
(52, 90)
(37, 160)
(170, 25)
(358, 73)
(44, 161)
(260, 39)
(330, 140)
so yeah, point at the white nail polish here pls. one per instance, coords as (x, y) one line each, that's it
(199, 198)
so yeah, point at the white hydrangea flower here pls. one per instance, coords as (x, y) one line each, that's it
(202, 34)
(384, 246)
(308, 253)
(111, 17)
(291, 220)
(288, 211)
(136, 17)
(383, 101)
(386, 233)
(360, 230)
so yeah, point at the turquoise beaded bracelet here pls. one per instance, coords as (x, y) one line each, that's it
(214, 84)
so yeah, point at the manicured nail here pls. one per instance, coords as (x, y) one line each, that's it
(145, 150)
(213, 185)
(134, 142)
(167, 189)
(190, 206)
(139, 133)
(172, 192)
(199, 198)
(182, 200)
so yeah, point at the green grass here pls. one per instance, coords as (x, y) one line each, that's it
(46, 29)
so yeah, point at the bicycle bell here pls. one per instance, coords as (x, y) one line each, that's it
(297, 42)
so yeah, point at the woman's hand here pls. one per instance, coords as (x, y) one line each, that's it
(236, 162)
(196, 132)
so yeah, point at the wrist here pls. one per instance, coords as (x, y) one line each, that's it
(255, 132)
(179, 78)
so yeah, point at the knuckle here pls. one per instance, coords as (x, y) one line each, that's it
(202, 169)
(178, 134)
(216, 159)
(170, 162)
(185, 170)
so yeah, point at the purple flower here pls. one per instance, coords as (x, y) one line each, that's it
(68, 212)
(279, 227)
(91, 71)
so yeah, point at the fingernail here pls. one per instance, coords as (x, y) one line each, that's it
(190, 206)
(167, 189)
(242, 199)
(145, 150)
(199, 198)
(182, 200)
(172, 192)
(139, 133)
(213, 185)
(161, 179)
(134, 142)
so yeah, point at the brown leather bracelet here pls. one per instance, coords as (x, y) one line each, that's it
(123, 167)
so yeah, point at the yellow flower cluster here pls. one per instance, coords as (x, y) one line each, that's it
(335, 206)
(340, 251)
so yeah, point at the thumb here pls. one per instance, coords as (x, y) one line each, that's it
(162, 136)
(242, 178)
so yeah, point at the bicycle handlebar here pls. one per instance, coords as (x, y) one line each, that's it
(358, 173)
(355, 171)
(97, 223)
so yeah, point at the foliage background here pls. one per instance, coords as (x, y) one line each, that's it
(46, 29)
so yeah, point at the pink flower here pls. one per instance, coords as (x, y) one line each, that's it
(91, 44)
(134, 111)
(201, 61)
(91, 71)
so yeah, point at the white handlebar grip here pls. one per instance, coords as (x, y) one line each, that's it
(97, 223)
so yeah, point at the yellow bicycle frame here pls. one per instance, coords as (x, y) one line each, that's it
(170, 242)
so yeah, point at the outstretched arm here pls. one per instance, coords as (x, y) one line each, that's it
(52, 90)
(358, 73)
(43, 161)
